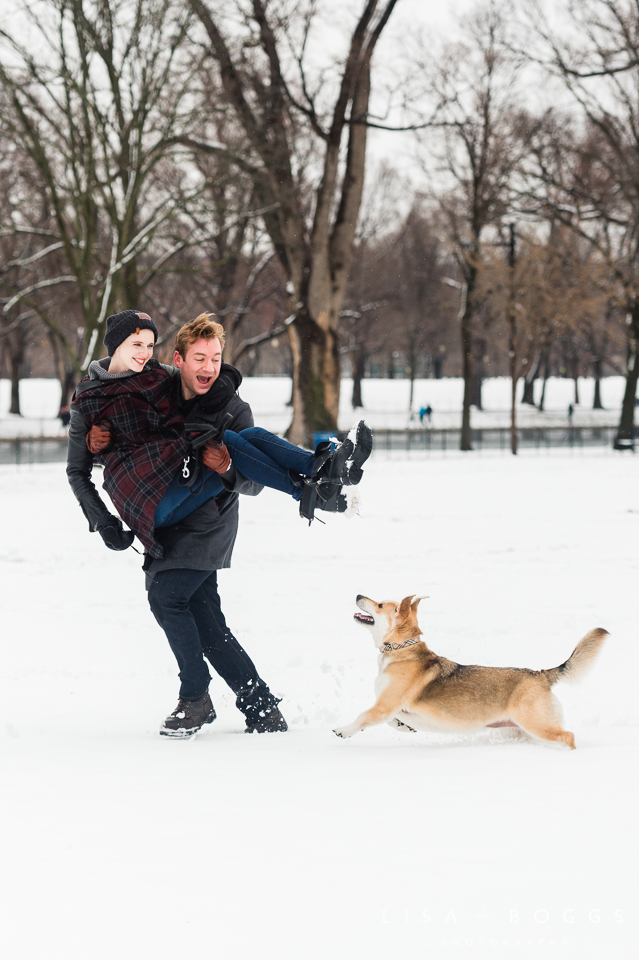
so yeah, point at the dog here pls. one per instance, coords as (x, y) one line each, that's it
(417, 689)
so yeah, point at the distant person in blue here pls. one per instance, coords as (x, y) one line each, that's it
(425, 413)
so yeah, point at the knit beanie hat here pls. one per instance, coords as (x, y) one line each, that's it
(122, 325)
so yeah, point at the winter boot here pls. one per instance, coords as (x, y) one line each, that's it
(329, 497)
(271, 722)
(361, 452)
(188, 717)
(343, 465)
(331, 465)
(321, 496)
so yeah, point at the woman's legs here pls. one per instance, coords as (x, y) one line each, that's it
(285, 454)
(178, 502)
(261, 457)
(264, 458)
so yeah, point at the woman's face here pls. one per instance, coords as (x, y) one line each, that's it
(133, 352)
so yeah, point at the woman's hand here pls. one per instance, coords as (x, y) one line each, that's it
(114, 534)
(100, 437)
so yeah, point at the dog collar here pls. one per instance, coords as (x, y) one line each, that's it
(389, 647)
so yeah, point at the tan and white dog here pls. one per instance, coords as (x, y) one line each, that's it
(416, 689)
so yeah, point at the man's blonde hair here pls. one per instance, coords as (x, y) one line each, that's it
(202, 328)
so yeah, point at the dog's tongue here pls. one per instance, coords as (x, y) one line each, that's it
(363, 618)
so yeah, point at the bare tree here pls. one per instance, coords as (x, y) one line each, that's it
(588, 172)
(545, 291)
(312, 221)
(96, 104)
(483, 136)
(421, 320)
(373, 280)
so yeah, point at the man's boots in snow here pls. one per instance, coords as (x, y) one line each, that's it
(271, 722)
(188, 717)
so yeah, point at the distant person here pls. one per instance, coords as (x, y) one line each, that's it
(571, 410)
(64, 416)
(425, 413)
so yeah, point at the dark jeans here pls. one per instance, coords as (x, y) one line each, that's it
(186, 604)
(258, 455)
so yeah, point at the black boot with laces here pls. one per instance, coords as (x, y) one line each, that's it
(188, 717)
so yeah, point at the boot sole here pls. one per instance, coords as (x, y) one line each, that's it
(361, 453)
(183, 734)
(179, 734)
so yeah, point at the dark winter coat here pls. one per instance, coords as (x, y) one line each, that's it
(149, 444)
(136, 480)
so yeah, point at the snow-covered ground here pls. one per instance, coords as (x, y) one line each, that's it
(299, 846)
(386, 404)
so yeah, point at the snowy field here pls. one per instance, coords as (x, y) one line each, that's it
(386, 404)
(300, 846)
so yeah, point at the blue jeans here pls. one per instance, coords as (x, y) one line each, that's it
(259, 456)
(186, 604)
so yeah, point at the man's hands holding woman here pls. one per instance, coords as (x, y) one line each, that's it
(216, 457)
(215, 454)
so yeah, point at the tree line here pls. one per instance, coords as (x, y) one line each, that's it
(181, 157)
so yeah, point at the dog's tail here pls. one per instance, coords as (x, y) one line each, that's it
(581, 658)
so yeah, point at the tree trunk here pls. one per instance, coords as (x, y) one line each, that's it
(412, 371)
(475, 400)
(597, 404)
(68, 387)
(316, 379)
(359, 368)
(576, 379)
(546, 362)
(466, 317)
(478, 373)
(466, 439)
(513, 384)
(16, 366)
(528, 394)
(68, 378)
(625, 432)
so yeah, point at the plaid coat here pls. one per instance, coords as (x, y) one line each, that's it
(149, 446)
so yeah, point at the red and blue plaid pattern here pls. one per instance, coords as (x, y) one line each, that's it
(149, 446)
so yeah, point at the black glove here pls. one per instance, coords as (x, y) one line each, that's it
(114, 534)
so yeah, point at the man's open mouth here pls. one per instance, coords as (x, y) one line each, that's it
(363, 618)
(204, 380)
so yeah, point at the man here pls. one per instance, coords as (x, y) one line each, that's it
(182, 584)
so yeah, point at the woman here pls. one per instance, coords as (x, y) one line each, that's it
(128, 412)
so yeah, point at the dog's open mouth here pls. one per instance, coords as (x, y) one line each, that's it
(363, 618)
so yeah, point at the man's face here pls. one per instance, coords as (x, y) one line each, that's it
(200, 368)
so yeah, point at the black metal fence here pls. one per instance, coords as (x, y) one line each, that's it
(26, 450)
(495, 438)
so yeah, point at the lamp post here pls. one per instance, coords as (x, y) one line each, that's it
(466, 436)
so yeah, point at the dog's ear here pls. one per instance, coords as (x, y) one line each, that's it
(415, 602)
(404, 607)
